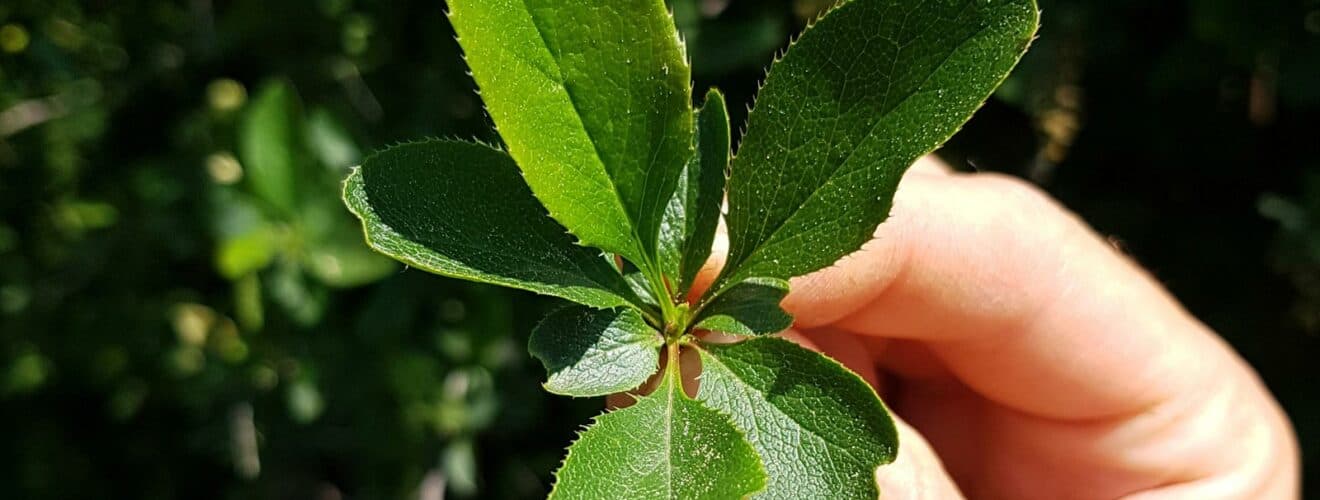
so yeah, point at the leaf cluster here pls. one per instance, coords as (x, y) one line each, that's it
(608, 190)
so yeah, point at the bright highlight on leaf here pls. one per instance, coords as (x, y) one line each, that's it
(610, 195)
(594, 101)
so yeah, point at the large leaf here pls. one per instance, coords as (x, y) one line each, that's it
(666, 446)
(871, 87)
(594, 352)
(750, 307)
(688, 228)
(593, 100)
(269, 143)
(461, 210)
(820, 430)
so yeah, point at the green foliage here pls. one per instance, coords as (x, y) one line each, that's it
(604, 134)
(111, 219)
(688, 227)
(748, 308)
(593, 352)
(462, 210)
(665, 446)
(819, 428)
(866, 91)
(601, 125)
(267, 145)
(283, 212)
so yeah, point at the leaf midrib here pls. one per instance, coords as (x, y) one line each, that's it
(829, 179)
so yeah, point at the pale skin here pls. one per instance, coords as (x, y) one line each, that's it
(1026, 358)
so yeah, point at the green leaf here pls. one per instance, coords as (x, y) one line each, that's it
(245, 241)
(301, 299)
(688, 228)
(268, 145)
(331, 144)
(342, 260)
(333, 249)
(666, 446)
(593, 100)
(870, 88)
(246, 253)
(640, 286)
(820, 429)
(461, 210)
(593, 352)
(750, 307)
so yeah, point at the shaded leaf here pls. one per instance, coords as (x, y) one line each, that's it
(594, 352)
(688, 228)
(666, 446)
(461, 210)
(750, 307)
(820, 429)
(593, 100)
(867, 90)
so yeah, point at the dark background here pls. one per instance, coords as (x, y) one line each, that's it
(165, 334)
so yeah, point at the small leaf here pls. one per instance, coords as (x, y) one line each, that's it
(592, 352)
(667, 446)
(820, 429)
(461, 210)
(688, 228)
(593, 100)
(748, 308)
(867, 90)
(268, 144)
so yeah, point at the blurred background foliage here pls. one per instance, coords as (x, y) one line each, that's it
(187, 311)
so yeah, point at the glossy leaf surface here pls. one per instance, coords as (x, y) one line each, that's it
(593, 100)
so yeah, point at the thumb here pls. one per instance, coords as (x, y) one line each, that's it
(917, 473)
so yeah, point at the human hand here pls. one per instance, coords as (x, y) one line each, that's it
(1029, 359)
